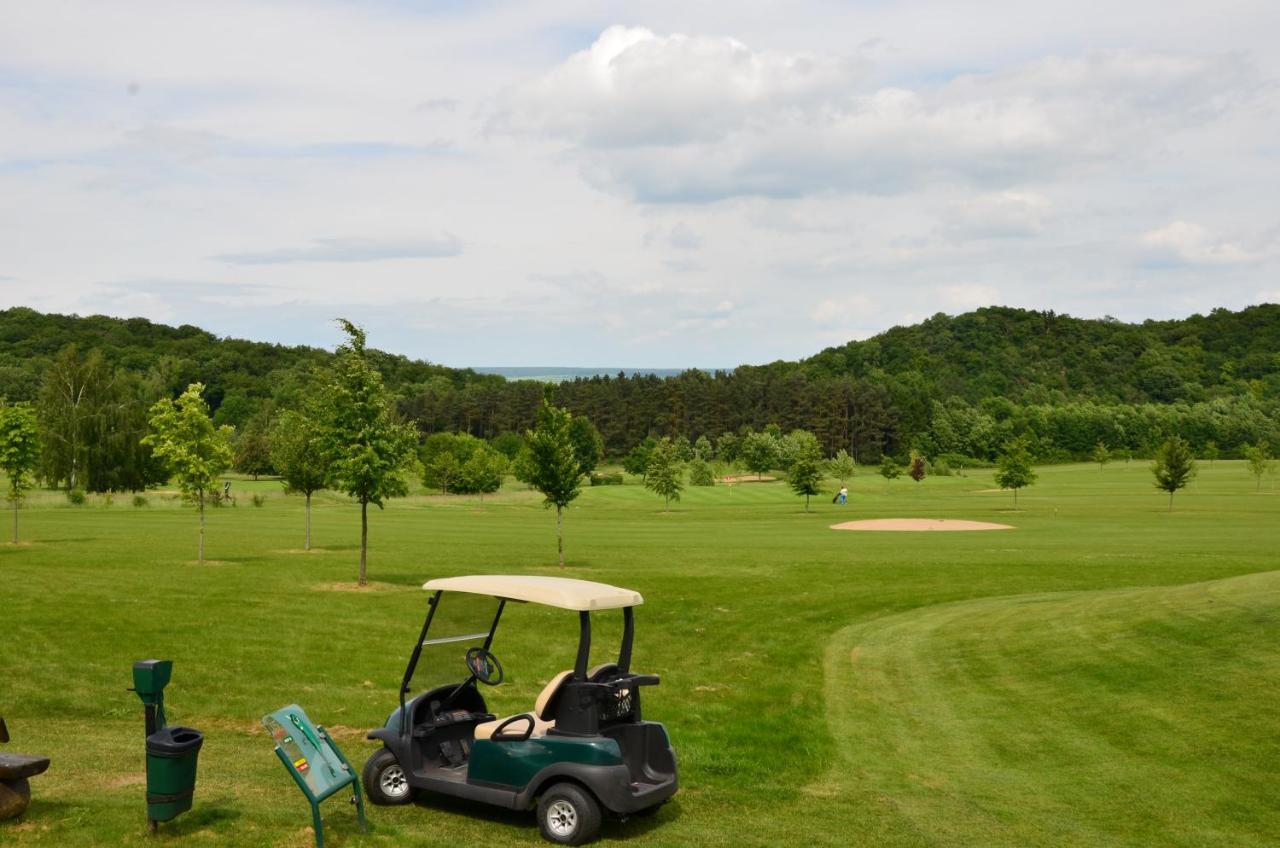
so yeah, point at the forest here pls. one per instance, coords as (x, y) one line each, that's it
(951, 387)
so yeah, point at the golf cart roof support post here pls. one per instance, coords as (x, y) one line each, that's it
(584, 646)
(432, 603)
(628, 635)
(493, 628)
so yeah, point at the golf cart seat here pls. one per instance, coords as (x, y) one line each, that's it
(542, 715)
(543, 708)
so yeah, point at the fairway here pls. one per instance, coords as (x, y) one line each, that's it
(1106, 672)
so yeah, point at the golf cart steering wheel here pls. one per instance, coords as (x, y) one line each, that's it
(484, 666)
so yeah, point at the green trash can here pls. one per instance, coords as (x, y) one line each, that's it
(172, 753)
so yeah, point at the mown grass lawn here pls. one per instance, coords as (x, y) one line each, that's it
(1100, 675)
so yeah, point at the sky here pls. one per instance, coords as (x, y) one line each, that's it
(673, 184)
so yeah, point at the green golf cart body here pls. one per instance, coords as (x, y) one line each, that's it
(582, 751)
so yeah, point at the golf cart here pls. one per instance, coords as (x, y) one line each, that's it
(582, 750)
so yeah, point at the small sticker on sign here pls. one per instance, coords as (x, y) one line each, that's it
(301, 765)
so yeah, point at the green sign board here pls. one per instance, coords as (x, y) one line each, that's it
(313, 760)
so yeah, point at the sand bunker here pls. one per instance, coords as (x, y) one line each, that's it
(751, 479)
(917, 524)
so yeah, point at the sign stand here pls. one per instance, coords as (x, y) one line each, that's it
(314, 762)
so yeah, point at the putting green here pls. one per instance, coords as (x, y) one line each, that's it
(1072, 718)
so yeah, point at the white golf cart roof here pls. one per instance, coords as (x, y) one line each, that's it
(562, 592)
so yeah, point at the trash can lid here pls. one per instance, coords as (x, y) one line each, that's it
(174, 741)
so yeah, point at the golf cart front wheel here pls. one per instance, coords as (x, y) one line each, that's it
(385, 781)
(568, 815)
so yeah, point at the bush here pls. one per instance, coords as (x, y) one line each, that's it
(108, 499)
(960, 462)
(939, 467)
(700, 473)
(599, 478)
(140, 500)
(258, 500)
(76, 497)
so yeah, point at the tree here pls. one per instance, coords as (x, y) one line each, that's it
(798, 443)
(300, 454)
(727, 447)
(636, 462)
(184, 439)
(1258, 459)
(549, 465)
(484, 471)
(702, 449)
(1173, 466)
(916, 472)
(760, 452)
(684, 449)
(91, 421)
(666, 472)
(1210, 451)
(805, 476)
(700, 473)
(19, 452)
(841, 466)
(588, 446)
(253, 447)
(1101, 455)
(369, 448)
(889, 470)
(1013, 467)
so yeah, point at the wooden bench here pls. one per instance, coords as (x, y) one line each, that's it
(15, 769)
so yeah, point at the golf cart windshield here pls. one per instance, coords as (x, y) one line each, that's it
(456, 624)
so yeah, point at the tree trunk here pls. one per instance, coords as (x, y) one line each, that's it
(560, 532)
(666, 504)
(307, 545)
(1015, 497)
(15, 521)
(1171, 501)
(364, 541)
(200, 508)
(806, 503)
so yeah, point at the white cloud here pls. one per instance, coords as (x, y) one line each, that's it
(681, 118)
(850, 163)
(1007, 214)
(352, 250)
(966, 296)
(1188, 242)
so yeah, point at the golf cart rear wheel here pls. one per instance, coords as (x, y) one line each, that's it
(569, 815)
(385, 781)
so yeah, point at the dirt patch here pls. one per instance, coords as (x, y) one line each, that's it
(748, 479)
(356, 587)
(918, 524)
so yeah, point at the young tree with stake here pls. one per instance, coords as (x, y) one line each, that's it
(549, 465)
(369, 447)
(889, 470)
(842, 467)
(1101, 455)
(300, 454)
(666, 472)
(1173, 466)
(805, 476)
(19, 453)
(1013, 468)
(1258, 459)
(184, 439)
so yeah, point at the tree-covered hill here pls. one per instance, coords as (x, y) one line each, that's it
(242, 373)
(961, 385)
(1039, 357)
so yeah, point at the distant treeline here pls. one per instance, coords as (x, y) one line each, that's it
(960, 386)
